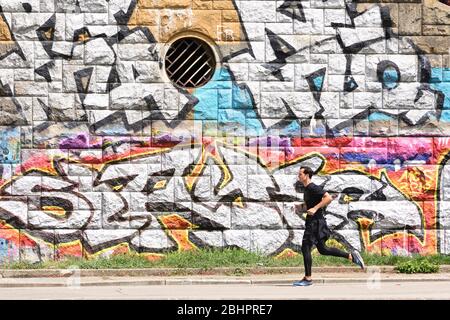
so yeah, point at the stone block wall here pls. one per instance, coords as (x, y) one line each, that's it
(102, 154)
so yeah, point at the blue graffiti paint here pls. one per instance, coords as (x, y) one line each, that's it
(9, 145)
(390, 78)
(222, 99)
(318, 82)
(4, 250)
(380, 158)
(364, 158)
(440, 81)
(231, 105)
(351, 84)
(291, 130)
(377, 116)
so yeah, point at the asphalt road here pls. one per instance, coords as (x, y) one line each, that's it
(341, 291)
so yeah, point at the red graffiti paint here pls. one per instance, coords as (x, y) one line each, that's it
(417, 180)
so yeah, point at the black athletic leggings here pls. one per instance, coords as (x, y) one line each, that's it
(323, 249)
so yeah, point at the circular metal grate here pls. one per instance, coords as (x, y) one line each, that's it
(190, 62)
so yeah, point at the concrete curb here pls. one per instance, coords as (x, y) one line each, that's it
(150, 282)
(72, 278)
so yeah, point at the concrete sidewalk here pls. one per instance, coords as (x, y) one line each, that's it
(75, 278)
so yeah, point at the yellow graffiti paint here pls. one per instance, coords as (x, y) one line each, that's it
(226, 173)
(238, 202)
(348, 199)
(121, 247)
(365, 223)
(209, 152)
(68, 244)
(117, 188)
(178, 228)
(160, 184)
(181, 237)
(57, 211)
(365, 237)
(287, 253)
(196, 171)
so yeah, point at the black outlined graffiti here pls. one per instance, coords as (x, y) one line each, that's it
(364, 33)
(206, 187)
(349, 34)
(293, 9)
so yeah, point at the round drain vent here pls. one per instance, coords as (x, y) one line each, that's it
(190, 62)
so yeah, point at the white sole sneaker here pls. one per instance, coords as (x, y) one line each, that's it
(357, 255)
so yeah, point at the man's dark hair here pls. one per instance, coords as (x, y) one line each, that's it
(308, 171)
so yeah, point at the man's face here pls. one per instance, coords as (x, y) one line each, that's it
(302, 176)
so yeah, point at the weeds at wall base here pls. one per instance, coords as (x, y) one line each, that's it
(237, 259)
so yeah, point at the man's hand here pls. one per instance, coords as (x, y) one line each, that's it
(311, 211)
(303, 206)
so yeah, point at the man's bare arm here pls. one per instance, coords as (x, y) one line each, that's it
(326, 200)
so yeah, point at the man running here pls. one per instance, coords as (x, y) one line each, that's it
(316, 229)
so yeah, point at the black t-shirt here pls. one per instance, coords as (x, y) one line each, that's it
(313, 195)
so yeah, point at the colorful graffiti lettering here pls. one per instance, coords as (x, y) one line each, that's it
(102, 154)
(201, 200)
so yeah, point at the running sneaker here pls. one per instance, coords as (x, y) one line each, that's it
(302, 283)
(357, 259)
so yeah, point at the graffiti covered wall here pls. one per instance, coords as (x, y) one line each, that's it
(102, 153)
